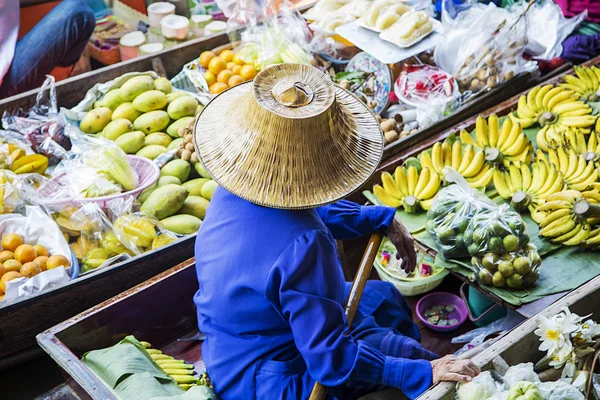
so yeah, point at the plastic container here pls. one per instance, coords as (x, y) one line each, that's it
(442, 299)
(157, 11)
(175, 27)
(129, 45)
(482, 311)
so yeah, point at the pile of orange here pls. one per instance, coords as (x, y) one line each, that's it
(225, 70)
(20, 260)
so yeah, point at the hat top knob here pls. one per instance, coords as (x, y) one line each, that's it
(292, 94)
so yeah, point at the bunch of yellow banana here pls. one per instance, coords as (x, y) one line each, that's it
(569, 218)
(592, 242)
(179, 370)
(578, 173)
(501, 145)
(408, 188)
(467, 161)
(528, 188)
(556, 109)
(589, 147)
(586, 84)
(34, 163)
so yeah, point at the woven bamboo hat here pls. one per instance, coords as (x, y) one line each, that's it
(291, 139)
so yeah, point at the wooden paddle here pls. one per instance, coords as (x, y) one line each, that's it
(358, 286)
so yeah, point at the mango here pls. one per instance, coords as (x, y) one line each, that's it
(136, 86)
(153, 121)
(195, 186)
(112, 99)
(208, 189)
(194, 205)
(199, 109)
(146, 193)
(116, 128)
(173, 129)
(152, 151)
(173, 95)
(95, 120)
(168, 180)
(159, 138)
(163, 85)
(178, 168)
(126, 110)
(182, 224)
(131, 142)
(201, 171)
(150, 101)
(165, 201)
(184, 106)
(175, 144)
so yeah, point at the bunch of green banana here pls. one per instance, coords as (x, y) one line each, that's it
(569, 218)
(554, 108)
(179, 370)
(408, 188)
(586, 84)
(467, 161)
(501, 145)
(578, 173)
(528, 188)
(589, 147)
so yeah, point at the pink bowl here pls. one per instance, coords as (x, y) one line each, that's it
(442, 299)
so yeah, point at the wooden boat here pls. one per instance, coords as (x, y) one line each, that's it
(521, 344)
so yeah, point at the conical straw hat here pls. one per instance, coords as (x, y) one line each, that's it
(291, 139)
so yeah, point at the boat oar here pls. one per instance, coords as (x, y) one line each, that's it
(358, 286)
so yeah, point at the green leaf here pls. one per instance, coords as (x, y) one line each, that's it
(595, 108)
(144, 386)
(413, 161)
(351, 76)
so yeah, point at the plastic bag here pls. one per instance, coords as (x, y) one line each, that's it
(559, 390)
(10, 197)
(482, 387)
(514, 270)
(521, 372)
(450, 214)
(496, 230)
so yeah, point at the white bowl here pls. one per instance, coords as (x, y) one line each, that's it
(175, 27)
(157, 11)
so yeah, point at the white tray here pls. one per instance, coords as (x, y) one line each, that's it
(386, 52)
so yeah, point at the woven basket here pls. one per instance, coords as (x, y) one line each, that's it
(146, 170)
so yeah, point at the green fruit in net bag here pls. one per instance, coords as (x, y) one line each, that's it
(495, 245)
(510, 242)
(531, 278)
(498, 280)
(522, 265)
(515, 281)
(506, 269)
(485, 277)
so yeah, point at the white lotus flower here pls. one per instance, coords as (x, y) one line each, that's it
(553, 335)
(589, 330)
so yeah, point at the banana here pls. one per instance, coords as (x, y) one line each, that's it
(447, 151)
(559, 98)
(481, 132)
(401, 180)
(408, 188)
(426, 161)
(541, 140)
(566, 195)
(554, 215)
(178, 371)
(549, 182)
(430, 189)
(456, 154)
(585, 184)
(525, 176)
(558, 227)
(553, 205)
(482, 179)
(466, 138)
(579, 237)
(531, 95)
(520, 144)
(539, 174)
(161, 357)
(184, 378)
(153, 351)
(515, 177)
(145, 344)
(174, 365)
(421, 182)
(475, 166)
(437, 157)
(591, 195)
(413, 176)
(468, 155)
(493, 125)
(523, 109)
(524, 122)
(549, 96)
(389, 185)
(501, 184)
(426, 204)
(573, 164)
(539, 98)
(568, 235)
(385, 197)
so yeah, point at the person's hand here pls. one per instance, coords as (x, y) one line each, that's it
(451, 368)
(405, 244)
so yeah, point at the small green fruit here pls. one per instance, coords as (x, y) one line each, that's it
(506, 269)
(522, 265)
(498, 280)
(515, 281)
(511, 243)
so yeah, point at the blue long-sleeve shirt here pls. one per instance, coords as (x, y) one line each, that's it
(271, 296)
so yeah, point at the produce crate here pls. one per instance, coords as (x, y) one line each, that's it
(521, 344)
(159, 311)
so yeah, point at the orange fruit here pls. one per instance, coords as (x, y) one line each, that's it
(41, 261)
(12, 241)
(226, 55)
(6, 255)
(12, 265)
(231, 65)
(237, 69)
(56, 261)
(205, 58)
(210, 78)
(234, 80)
(216, 65)
(248, 72)
(7, 277)
(30, 269)
(2, 270)
(25, 253)
(41, 250)
(238, 60)
(224, 76)
(218, 87)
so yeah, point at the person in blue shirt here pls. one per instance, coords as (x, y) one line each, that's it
(271, 288)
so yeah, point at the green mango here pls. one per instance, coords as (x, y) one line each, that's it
(153, 121)
(95, 120)
(163, 84)
(136, 86)
(173, 95)
(194, 205)
(199, 109)
(116, 128)
(175, 144)
(182, 224)
(208, 189)
(159, 138)
(173, 129)
(177, 168)
(195, 186)
(126, 110)
(146, 193)
(150, 101)
(131, 142)
(168, 180)
(184, 106)
(151, 152)
(165, 201)
(112, 99)
(201, 171)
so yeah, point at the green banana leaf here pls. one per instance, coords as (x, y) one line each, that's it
(145, 386)
(194, 393)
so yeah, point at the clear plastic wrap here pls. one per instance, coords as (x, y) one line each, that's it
(452, 210)
(514, 270)
(10, 196)
(496, 230)
(482, 387)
